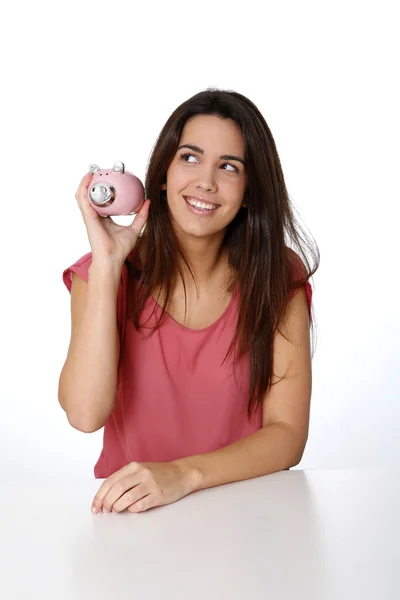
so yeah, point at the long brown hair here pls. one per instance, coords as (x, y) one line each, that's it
(257, 240)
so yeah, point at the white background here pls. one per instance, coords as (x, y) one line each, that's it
(95, 82)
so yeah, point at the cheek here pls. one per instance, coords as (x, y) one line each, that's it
(177, 178)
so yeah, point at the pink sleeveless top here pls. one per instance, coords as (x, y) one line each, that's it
(174, 396)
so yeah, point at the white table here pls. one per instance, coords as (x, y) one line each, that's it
(317, 534)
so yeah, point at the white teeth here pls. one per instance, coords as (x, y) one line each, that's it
(199, 204)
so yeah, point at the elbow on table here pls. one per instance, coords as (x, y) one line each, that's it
(299, 456)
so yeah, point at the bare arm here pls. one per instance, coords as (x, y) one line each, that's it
(88, 380)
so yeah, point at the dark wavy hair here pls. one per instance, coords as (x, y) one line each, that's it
(257, 239)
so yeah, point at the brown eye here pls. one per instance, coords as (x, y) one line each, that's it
(233, 167)
(183, 156)
(187, 155)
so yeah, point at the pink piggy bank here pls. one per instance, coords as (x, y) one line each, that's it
(115, 191)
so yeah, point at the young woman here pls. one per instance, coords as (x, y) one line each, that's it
(190, 334)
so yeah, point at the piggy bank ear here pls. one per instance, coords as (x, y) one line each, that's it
(119, 167)
(94, 169)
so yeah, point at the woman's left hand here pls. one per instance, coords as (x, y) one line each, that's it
(140, 486)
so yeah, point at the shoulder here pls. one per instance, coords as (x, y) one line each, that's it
(301, 295)
(80, 267)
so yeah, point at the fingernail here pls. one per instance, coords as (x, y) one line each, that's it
(94, 509)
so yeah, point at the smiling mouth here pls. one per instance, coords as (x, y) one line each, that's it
(200, 207)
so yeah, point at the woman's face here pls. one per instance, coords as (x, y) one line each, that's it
(201, 173)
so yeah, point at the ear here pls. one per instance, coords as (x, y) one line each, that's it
(164, 186)
(119, 167)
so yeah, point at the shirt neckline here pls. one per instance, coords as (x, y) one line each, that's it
(183, 327)
(202, 329)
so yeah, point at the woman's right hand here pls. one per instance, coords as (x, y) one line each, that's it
(109, 242)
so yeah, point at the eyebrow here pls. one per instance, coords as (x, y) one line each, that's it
(223, 157)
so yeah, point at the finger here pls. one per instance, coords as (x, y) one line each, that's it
(107, 485)
(119, 489)
(82, 191)
(86, 178)
(143, 504)
(85, 181)
(109, 224)
(141, 217)
(87, 208)
(132, 496)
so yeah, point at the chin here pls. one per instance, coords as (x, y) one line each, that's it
(183, 230)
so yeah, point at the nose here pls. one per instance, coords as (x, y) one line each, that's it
(206, 180)
(102, 193)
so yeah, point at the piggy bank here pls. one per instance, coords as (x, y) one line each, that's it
(115, 191)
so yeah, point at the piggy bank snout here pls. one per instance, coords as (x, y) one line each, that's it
(102, 193)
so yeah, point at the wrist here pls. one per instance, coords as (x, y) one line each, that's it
(105, 271)
(192, 476)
